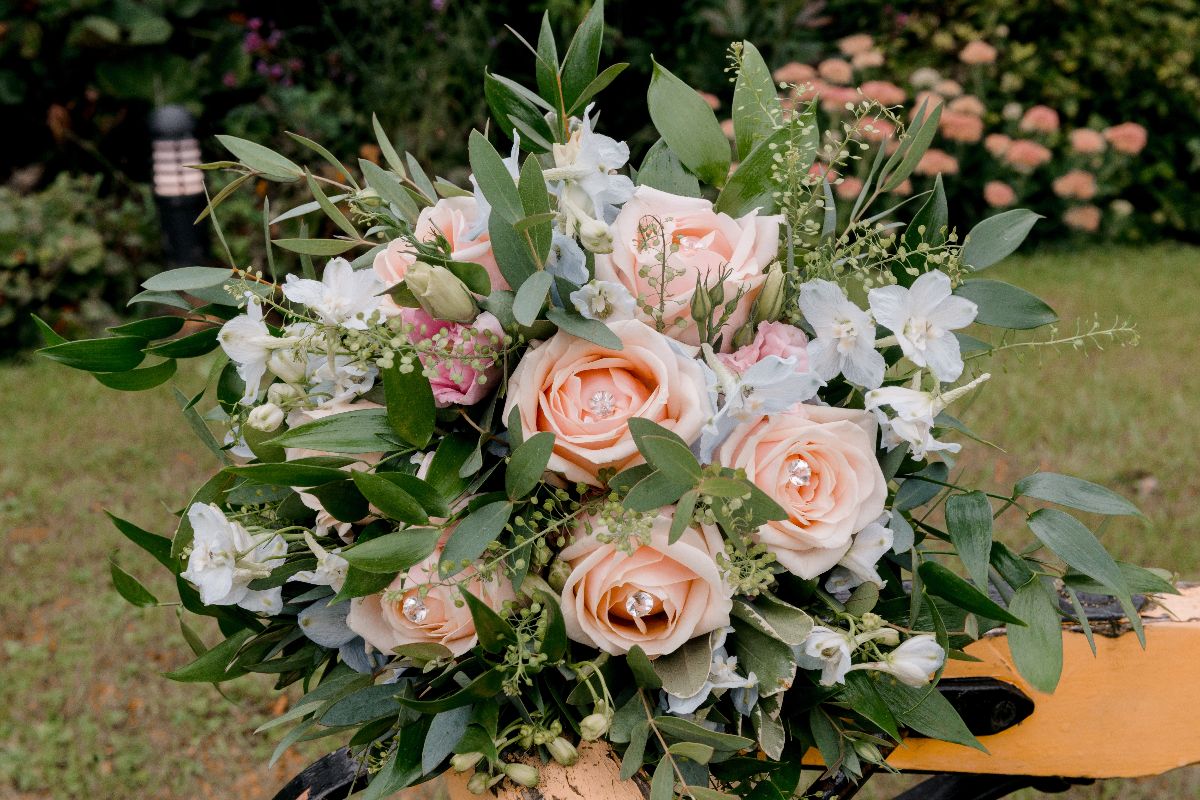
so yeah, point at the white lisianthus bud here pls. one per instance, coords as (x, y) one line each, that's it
(287, 365)
(462, 762)
(563, 751)
(441, 294)
(478, 783)
(522, 774)
(281, 394)
(266, 417)
(595, 236)
(914, 662)
(770, 300)
(593, 726)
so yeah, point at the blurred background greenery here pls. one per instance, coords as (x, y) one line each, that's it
(84, 712)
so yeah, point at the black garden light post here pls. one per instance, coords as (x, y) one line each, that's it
(178, 190)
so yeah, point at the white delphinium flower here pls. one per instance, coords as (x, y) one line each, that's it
(249, 344)
(914, 414)
(845, 336)
(858, 565)
(913, 663)
(586, 167)
(225, 558)
(722, 674)
(767, 387)
(331, 567)
(513, 165)
(344, 296)
(266, 417)
(566, 259)
(828, 650)
(922, 318)
(338, 380)
(606, 301)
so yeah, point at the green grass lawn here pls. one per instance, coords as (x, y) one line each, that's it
(87, 715)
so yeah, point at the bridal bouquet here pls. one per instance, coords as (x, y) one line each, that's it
(659, 457)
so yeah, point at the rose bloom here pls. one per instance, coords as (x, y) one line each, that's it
(1039, 119)
(836, 70)
(1077, 184)
(709, 245)
(868, 60)
(998, 194)
(1128, 138)
(855, 44)
(977, 52)
(1087, 142)
(967, 104)
(959, 127)
(687, 596)
(459, 381)
(794, 72)
(948, 88)
(883, 92)
(1083, 218)
(937, 162)
(997, 144)
(771, 339)
(849, 188)
(381, 619)
(586, 394)
(818, 463)
(453, 218)
(1024, 155)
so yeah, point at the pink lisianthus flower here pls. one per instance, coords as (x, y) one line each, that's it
(772, 339)
(464, 362)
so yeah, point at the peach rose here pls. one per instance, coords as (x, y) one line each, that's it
(977, 52)
(855, 44)
(794, 72)
(586, 394)
(699, 243)
(418, 607)
(658, 597)
(836, 70)
(818, 463)
(1087, 142)
(997, 144)
(454, 218)
(958, 126)
(937, 162)
(1026, 156)
(998, 194)
(1077, 184)
(883, 92)
(1128, 138)
(1083, 218)
(1039, 119)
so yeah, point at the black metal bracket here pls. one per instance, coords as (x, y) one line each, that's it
(332, 777)
(984, 787)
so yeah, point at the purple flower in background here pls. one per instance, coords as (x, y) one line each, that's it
(229, 79)
(252, 42)
(438, 5)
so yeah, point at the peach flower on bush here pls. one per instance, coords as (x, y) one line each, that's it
(836, 70)
(681, 584)
(930, 100)
(959, 127)
(874, 129)
(948, 88)
(1077, 184)
(455, 218)
(433, 616)
(883, 92)
(856, 43)
(713, 101)
(586, 394)
(794, 72)
(868, 60)
(967, 104)
(998, 194)
(818, 463)
(1026, 156)
(977, 52)
(904, 188)
(997, 144)
(1039, 119)
(849, 188)
(1083, 218)
(835, 98)
(936, 162)
(1128, 138)
(1087, 142)
(710, 244)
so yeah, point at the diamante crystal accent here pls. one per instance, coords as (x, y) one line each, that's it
(639, 604)
(414, 609)
(602, 404)
(799, 473)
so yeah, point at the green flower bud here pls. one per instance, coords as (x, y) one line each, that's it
(369, 197)
(868, 752)
(522, 774)
(702, 306)
(563, 751)
(441, 294)
(770, 300)
(464, 761)
(559, 572)
(478, 783)
(595, 236)
(593, 726)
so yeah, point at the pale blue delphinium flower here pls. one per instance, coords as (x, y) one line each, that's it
(845, 336)
(722, 674)
(330, 570)
(249, 344)
(585, 168)
(605, 301)
(566, 259)
(326, 625)
(923, 317)
(914, 415)
(858, 565)
(913, 663)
